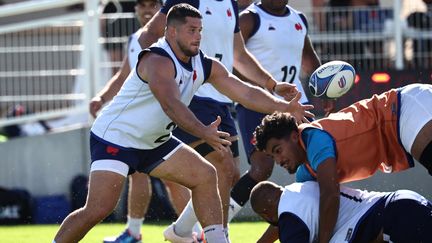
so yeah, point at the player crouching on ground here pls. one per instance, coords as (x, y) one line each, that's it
(401, 216)
(384, 132)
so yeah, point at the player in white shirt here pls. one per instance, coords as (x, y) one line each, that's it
(400, 216)
(138, 199)
(133, 133)
(277, 35)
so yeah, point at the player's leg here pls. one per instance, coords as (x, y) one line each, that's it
(139, 195)
(178, 195)
(224, 164)
(261, 164)
(202, 181)
(416, 122)
(206, 112)
(407, 218)
(104, 191)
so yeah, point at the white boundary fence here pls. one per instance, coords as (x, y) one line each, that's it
(45, 47)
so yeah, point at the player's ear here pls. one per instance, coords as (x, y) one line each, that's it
(170, 30)
(294, 136)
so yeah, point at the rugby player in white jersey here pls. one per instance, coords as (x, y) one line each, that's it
(133, 132)
(139, 195)
(400, 216)
(220, 20)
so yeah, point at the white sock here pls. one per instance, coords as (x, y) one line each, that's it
(226, 231)
(134, 226)
(215, 234)
(233, 209)
(197, 228)
(186, 220)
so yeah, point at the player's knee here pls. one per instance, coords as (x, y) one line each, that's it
(100, 212)
(207, 175)
(261, 167)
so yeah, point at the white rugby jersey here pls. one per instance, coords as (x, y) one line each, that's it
(302, 199)
(219, 21)
(133, 49)
(134, 118)
(277, 44)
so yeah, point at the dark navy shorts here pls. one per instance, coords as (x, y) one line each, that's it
(248, 120)
(405, 216)
(207, 110)
(111, 157)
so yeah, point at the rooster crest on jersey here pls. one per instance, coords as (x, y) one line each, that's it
(332, 80)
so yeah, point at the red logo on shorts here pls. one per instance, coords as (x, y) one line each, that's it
(298, 26)
(111, 150)
(253, 140)
(229, 13)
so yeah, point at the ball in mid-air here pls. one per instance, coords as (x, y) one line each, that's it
(332, 80)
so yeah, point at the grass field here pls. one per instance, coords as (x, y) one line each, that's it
(242, 232)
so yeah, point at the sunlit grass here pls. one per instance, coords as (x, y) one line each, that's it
(241, 232)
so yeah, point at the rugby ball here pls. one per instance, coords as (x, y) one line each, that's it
(332, 80)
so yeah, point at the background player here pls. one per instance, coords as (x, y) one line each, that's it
(401, 216)
(265, 27)
(384, 132)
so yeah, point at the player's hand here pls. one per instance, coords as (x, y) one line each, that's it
(329, 106)
(300, 111)
(96, 104)
(215, 138)
(286, 90)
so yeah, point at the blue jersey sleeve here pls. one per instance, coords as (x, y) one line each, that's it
(169, 3)
(303, 175)
(292, 229)
(320, 146)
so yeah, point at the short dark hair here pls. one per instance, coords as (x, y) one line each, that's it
(178, 13)
(277, 125)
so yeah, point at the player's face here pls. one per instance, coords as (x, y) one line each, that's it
(188, 36)
(286, 152)
(146, 9)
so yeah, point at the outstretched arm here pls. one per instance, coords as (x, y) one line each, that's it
(329, 198)
(247, 65)
(166, 91)
(252, 97)
(111, 88)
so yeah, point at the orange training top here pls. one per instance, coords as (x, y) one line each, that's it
(366, 135)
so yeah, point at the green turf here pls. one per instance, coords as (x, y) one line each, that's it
(242, 232)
